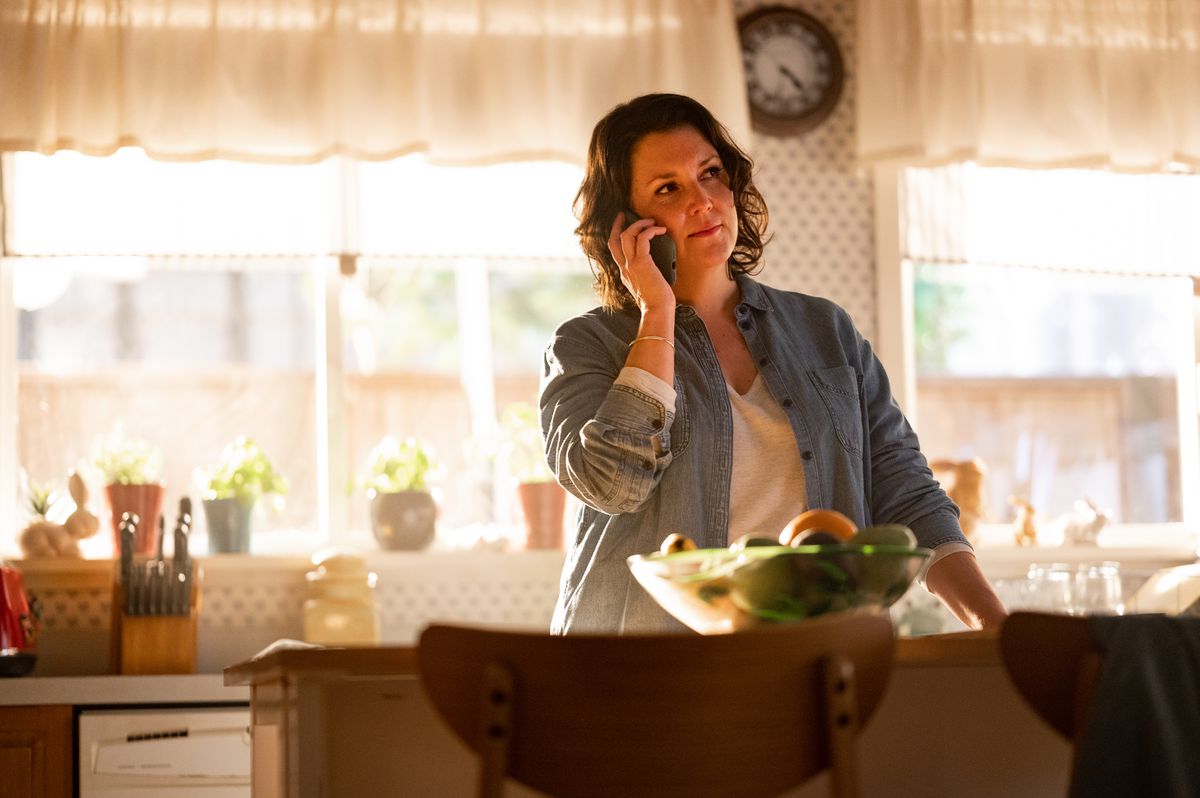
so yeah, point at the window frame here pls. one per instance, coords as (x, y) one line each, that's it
(896, 349)
(331, 274)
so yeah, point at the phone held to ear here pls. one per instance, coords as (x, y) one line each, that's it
(662, 250)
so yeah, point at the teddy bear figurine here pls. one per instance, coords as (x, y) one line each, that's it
(964, 486)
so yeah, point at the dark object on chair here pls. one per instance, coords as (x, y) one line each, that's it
(1125, 690)
(750, 713)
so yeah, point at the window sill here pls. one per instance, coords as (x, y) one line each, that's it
(235, 569)
(1147, 547)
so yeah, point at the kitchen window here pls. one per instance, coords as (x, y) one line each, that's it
(1053, 335)
(315, 308)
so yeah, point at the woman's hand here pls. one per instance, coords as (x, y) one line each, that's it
(630, 248)
(958, 581)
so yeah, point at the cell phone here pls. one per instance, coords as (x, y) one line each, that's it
(662, 250)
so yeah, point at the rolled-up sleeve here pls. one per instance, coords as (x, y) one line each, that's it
(607, 435)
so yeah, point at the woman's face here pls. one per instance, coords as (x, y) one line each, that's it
(678, 180)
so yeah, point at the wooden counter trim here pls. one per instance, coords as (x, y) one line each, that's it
(325, 662)
(954, 649)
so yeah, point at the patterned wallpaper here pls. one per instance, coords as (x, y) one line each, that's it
(820, 204)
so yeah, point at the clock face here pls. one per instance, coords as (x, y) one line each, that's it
(793, 69)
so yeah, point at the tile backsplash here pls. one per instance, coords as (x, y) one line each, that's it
(249, 602)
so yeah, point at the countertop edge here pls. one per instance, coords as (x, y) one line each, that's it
(200, 688)
(955, 649)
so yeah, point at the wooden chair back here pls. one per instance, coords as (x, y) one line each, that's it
(1054, 663)
(750, 713)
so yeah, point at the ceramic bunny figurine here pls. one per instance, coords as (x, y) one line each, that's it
(1026, 528)
(44, 538)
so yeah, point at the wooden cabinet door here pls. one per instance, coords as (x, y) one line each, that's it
(35, 752)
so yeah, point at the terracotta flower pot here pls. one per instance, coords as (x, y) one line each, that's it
(145, 500)
(228, 525)
(403, 521)
(542, 505)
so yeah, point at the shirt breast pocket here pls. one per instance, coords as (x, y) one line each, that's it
(840, 391)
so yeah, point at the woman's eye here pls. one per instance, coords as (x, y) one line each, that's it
(714, 171)
(666, 188)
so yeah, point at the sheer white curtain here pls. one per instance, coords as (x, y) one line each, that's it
(1097, 83)
(1060, 219)
(467, 81)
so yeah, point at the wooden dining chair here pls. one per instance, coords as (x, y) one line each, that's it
(1054, 663)
(750, 713)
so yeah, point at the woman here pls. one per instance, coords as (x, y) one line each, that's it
(715, 406)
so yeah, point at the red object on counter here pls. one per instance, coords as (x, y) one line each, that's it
(19, 621)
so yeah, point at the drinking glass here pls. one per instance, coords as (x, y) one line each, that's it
(1098, 589)
(1051, 587)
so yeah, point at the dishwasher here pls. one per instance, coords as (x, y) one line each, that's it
(164, 752)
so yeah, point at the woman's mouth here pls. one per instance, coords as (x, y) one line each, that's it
(708, 231)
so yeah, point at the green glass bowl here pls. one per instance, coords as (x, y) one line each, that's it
(719, 590)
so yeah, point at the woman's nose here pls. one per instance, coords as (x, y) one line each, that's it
(699, 200)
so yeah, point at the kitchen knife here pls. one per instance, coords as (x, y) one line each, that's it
(181, 570)
(126, 539)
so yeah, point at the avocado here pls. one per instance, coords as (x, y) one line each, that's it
(750, 540)
(885, 535)
(815, 537)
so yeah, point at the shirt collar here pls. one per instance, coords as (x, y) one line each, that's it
(752, 293)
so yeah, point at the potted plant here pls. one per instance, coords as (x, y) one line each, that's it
(521, 454)
(130, 470)
(403, 512)
(230, 489)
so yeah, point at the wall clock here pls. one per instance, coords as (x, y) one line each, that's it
(793, 69)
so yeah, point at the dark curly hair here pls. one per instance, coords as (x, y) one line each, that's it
(605, 190)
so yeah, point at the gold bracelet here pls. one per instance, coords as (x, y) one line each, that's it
(666, 341)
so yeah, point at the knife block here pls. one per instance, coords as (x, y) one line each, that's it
(142, 645)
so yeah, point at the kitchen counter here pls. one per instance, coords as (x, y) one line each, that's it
(204, 688)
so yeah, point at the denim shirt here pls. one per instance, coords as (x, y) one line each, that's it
(643, 473)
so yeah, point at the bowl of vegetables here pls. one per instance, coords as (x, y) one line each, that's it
(819, 564)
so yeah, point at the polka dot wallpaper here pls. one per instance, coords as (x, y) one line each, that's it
(820, 202)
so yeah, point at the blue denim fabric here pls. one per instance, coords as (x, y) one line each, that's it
(643, 473)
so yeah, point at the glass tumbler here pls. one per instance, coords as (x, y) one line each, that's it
(1051, 587)
(1098, 589)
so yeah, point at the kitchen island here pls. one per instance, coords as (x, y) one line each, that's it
(355, 722)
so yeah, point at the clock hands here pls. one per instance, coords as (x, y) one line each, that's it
(791, 76)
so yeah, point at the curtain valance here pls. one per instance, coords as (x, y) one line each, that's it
(1098, 83)
(1061, 219)
(467, 81)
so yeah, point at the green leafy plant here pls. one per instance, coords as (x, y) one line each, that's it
(41, 498)
(520, 450)
(122, 460)
(394, 466)
(244, 473)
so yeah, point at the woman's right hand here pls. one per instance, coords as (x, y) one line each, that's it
(630, 248)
